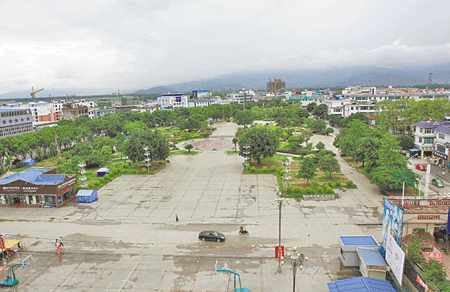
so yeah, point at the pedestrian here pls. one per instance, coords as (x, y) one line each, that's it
(58, 247)
(61, 241)
(176, 217)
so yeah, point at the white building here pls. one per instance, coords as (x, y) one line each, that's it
(198, 102)
(172, 100)
(442, 144)
(425, 135)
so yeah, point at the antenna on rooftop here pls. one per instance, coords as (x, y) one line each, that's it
(430, 79)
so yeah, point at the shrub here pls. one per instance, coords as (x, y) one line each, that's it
(337, 184)
(319, 190)
(273, 168)
(264, 169)
(329, 190)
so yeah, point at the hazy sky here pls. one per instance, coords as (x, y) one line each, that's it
(137, 44)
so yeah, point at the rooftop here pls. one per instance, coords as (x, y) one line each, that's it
(358, 240)
(361, 284)
(35, 176)
(372, 257)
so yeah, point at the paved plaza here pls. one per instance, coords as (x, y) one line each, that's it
(129, 240)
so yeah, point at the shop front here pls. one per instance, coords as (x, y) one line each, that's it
(45, 189)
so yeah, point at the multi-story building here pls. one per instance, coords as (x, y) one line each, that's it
(72, 113)
(354, 107)
(172, 100)
(442, 144)
(198, 102)
(425, 136)
(15, 122)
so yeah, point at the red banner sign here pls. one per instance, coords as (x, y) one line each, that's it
(279, 251)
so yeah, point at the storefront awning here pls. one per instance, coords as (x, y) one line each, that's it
(440, 154)
(9, 243)
(413, 150)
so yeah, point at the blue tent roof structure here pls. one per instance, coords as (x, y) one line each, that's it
(361, 284)
(86, 196)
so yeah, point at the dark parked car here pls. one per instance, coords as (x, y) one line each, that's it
(421, 167)
(211, 235)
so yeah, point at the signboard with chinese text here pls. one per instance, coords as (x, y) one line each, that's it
(279, 251)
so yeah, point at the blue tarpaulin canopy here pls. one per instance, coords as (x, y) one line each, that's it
(86, 196)
(102, 171)
(413, 150)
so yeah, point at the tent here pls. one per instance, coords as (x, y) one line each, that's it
(29, 162)
(102, 172)
(86, 196)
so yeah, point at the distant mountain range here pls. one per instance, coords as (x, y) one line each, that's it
(332, 77)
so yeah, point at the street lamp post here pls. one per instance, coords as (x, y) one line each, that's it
(280, 203)
(296, 259)
(147, 159)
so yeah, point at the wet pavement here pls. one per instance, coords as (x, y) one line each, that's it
(129, 239)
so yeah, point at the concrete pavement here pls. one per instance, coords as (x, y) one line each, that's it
(129, 240)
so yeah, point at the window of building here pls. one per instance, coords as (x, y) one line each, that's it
(429, 131)
(420, 139)
(441, 136)
(440, 148)
(428, 140)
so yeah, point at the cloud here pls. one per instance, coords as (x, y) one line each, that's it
(135, 44)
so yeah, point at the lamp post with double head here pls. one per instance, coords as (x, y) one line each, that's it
(296, 259)
(280, 203)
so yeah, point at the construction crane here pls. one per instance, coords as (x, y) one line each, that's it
(33, 93)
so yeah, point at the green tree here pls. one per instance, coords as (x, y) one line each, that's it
(320, 111)
(310, 107)
(329, 164)
(235, 140)
(307, 169)
(243, 117)
(406, 142)
(318, 126)
(188, 147)
(320, 146)
(262, 142)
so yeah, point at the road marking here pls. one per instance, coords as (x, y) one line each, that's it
(129, 275)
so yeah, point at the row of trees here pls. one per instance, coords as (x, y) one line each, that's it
(379, 153)
(400, 116)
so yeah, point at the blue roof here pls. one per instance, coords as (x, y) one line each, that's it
(10, 109)
(429, 124)
(361, 284)
(372, 257)
(34, 175)
(103, 169)
(358, 240)
(445, 129)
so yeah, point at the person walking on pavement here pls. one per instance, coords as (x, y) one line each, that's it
(176, 217)
(59, 244)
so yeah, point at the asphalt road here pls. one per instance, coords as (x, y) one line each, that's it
(129, 239)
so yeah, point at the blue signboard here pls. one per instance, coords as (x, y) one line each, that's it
(392, 223)
(448, 221)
